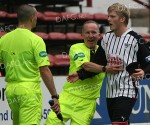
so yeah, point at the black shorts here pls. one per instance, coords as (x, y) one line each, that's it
(120, 108)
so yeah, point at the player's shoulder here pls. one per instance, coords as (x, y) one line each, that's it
(108, 33)
(7, 34)
(135, 34)
(77, 45)
(36, 36)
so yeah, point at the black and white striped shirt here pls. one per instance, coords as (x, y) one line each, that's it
(123, 50)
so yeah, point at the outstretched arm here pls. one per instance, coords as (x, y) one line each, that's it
(90, 69)
(87, 68)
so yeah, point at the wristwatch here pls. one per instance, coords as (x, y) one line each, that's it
(55, 96)
(104, 68)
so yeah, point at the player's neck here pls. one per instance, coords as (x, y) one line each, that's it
(25, 26)
(120, 31)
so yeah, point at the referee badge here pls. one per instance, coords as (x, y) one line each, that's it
(43, 54)
(79, 55)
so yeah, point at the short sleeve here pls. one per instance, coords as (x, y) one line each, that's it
(78, 56)
(40, 54)
(1, 60)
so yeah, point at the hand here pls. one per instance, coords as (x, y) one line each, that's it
(138, 75)
(73, 77)
(114, 68)
(56, 106)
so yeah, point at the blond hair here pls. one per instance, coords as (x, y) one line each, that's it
(121, 10)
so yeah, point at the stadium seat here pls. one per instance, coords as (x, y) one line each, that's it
(3, 14)
(73, 36)
(50, 16)
(62, 60)
(100, 16)
(12, 15)
(57, 36)
(146, 37)
(42, 35)
(40, 15)
(51, 13)
(65, 16)
(2, 33)
(85, 16)
(51, 59)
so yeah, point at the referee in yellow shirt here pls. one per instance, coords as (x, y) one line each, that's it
(25, 58)
(78, 100)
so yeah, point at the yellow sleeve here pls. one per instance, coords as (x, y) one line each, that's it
(77, 56)
(40, 54)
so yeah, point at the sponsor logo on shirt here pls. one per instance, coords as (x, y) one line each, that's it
(114, 59)
(43, 54)
(81, 55)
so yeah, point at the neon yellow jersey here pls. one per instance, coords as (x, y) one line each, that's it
(90, 87)
(22, 52)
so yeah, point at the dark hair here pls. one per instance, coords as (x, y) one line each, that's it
(90, 21)
(25, 12)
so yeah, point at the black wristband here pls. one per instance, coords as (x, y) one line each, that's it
(104, 68)
(80, 74)
(55, 96)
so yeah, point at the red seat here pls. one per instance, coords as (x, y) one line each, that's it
(51, 59)
(62, 60)
(146, 37)
(3, 14)
(65, 16)
(50, 16)
(51, 13)
(42, 35)
(85, 16)
(39, 15)
(57, 36)
(73, 36)
(12, 15)
(2, 33)
(100, 16)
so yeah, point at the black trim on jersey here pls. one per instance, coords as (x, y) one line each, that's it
(109, 32)
(83, 74)
(143, 52)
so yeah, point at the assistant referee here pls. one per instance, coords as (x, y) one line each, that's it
(25, 58)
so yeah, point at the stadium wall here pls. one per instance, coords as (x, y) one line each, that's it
(140, 114)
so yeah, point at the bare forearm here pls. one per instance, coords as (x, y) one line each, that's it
(48, 80)
(92, 67)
